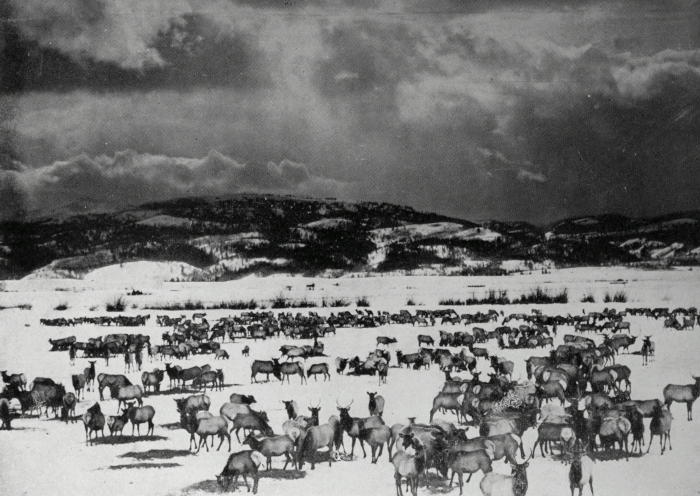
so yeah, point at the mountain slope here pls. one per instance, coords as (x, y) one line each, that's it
(222, 238)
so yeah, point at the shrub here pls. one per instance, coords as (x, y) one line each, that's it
(117, 305)
(588, 298)
(451, 301)
(540, 296)
(303, 303)
(493, 297)
(278, 302)
(617, 297)
(362, 301)
(410, 302)
(61, 307)
(338, 302)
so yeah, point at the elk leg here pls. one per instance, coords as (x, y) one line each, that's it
(397, 480)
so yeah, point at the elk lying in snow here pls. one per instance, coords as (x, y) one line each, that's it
(682, 394)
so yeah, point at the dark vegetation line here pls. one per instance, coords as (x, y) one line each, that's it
(500, 297)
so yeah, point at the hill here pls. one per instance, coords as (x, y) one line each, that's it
(223, 238)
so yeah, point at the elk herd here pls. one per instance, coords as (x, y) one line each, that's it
(576, 397)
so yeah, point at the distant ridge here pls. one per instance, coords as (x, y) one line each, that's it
(226, 237)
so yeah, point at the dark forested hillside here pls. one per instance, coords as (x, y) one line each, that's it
(303, 235)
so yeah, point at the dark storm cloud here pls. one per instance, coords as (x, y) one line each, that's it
(531, 110)
(130, 178)
(188, 51)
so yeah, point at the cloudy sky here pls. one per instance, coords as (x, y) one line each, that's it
(531, 110)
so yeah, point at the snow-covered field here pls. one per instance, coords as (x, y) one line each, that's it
(41, 456)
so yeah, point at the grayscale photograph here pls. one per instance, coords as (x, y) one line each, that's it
(349, 247)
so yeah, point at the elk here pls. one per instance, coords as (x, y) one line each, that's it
(648, 349)
(376, 437)
(94, 421)
(152, 380)
(205, 426)
(273, 446)
(636, 418)
(140, 415)
(253, 421)
(581, 471)
(196, 402)
(615, 430)
(661, 426)
(126, 393)
(266, 367)
(221, 355)
(682, 394)
(69, 401)
(446, 401)
(494, 484)
(288, 369)
(409, 466)
(470, 462)
(111, 381)
(89, 373)
(78, 381)
(18, 381)
(242, 463)
(548, 432)
(385, 340)
(116, 423)
(376, 404)
(317, 437)
(382, 371)
(353, 426)
(248, 399)
(319, 369)
(5, 414)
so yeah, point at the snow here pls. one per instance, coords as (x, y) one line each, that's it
(586, 221)
(143, 272)
(166, 221)
(330, 223)
(43, 456)
(412, 231)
